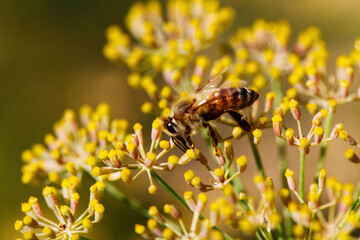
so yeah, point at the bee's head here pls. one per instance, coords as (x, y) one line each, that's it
(170, 126)
(176, 130)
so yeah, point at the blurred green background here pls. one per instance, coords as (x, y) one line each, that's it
(51, 59)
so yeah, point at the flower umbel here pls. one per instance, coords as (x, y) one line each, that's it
(159, 226)
(166, 44)
(122, 158)
(74, 145)
(35, 225)
(342, 219)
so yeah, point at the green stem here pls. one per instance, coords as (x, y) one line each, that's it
(236, 182)
(84, 238)
(262, 233)
(281, 234)
(166, 186)
(282, 160)
(302, 174)
(277, 88)
(119, 195)
(256, 153)
(288, 224)
(327, 129)
(310, 230)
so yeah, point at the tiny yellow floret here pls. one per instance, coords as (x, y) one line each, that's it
(258, 179)
(164, 144)
(202, 197)
(349, 153)
(242, 160)
(140, 229)
(293, 103)
(289, 173)
(152, 189)
(311, 108)
(257, 133)
(147, 107)
(103, 154)
(219, 172)
(277, 118)
(237, 132)
(188, 175)
(289, 133)
(151, 156)
(304, 142)
(319, 131)
(343, 134)
(137, 127)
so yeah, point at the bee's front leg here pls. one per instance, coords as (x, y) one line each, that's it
(199, 155)
(189, 141)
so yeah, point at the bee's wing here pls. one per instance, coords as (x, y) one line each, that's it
(211, 83)
(214, 83)
(233, 83)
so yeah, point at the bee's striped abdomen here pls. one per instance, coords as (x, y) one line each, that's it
(226, 99)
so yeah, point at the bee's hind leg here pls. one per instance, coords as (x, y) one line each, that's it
(241, 121)
(214, 138)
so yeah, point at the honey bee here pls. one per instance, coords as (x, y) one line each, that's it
(206, 104)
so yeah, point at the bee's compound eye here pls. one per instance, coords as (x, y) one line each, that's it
(170, 127)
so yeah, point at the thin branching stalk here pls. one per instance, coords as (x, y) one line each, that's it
(281, 234)
(280, 143)
(282, 160)
(262, 233)
(236, 182)
(327, 129)
(257, 157)
(302, 174)
(277, 88)
(169, 189)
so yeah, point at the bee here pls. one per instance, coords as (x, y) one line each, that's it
(206, 104)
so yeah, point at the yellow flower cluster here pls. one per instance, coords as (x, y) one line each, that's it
(305, 66)
(122, 158)
(316, 132)
(309, 213)
(74, 145)
(222, 175)
(166, 44)
(263, 44)
(35, 225)
(159, 226)
(238, 212)
(249, 218)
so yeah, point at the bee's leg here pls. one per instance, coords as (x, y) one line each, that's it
(214, 139)
(212, 134)
(180, 143)
(189, 141)
(241, 120)
(199, 155)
